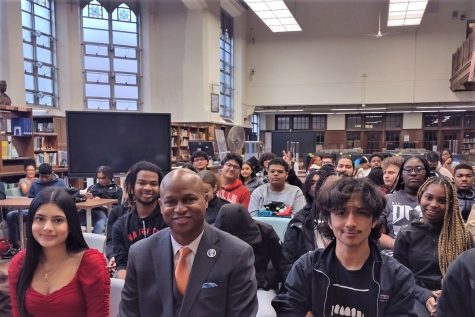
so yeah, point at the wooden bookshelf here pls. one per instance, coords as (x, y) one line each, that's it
(16, 138)
(49, 140)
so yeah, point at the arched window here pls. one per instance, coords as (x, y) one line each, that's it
(226, 66)
(39, 52)
(111, 57)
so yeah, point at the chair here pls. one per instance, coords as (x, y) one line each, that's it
(95, 241)
(116, 290)
(13, 192)
(279, 224)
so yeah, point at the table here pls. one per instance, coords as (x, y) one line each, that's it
(278, 223)
(23, 203)
(92, 203)
(20, 203)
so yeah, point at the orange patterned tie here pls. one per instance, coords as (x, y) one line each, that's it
(181, 271)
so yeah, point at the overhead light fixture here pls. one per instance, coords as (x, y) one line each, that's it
(290, 110)
(371, 109)
(275, 14)
(430, 107)
(322, 113)
(345, 109)
(262, 111)
(406, 12)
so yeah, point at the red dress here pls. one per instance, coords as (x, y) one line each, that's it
(87, 294)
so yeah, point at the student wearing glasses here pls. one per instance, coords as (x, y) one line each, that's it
(200, 160)
(232, 189)
(402, 206)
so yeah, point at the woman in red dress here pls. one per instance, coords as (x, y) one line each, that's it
(57, 274)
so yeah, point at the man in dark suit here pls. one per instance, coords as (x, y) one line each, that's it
(221, 280)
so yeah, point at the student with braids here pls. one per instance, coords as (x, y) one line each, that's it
(441, 229)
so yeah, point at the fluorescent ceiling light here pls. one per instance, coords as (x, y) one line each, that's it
(406, 12)
(275, 14)
(343, 109)
(290, 110)
(371, 109)
(322, 113)
(430, 107)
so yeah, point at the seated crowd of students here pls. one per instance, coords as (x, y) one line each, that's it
(377, 241)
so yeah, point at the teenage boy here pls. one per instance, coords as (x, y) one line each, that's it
(277, 190)
(200, 160)
(104, 188)
(463, 183)
(375, 160)
(232, 189)
(144, 219)
(350, 277)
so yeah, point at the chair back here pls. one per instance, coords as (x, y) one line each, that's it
(95, 241)
(117, 285)
(279, 224)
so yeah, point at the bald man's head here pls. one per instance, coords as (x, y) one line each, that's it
(183, 203)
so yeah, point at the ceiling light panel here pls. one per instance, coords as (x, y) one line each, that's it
(406, 12)
(275, 14)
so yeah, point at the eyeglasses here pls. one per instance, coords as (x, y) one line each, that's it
(234, 166)
(418, 170)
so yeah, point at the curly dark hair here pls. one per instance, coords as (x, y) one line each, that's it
(280, 161)
(334, 198)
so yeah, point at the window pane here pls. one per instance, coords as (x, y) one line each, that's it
(121, 38)
(125, 52)
(124, 26)
(98, 36)
(301, 122)
(126, 92)
(45, 85)
(97, 77)
(98, 63)
(26, 5)
(41, 11)
(99, 104)
(30, 97)
(431, 120)
(373, 121)
(46, 100)
(469, 121)
(126, 105)
(430, 140)
(27, 51)
(129, 79)
(393, 121)
(26, 35)
(95, 23)
(353, 139)
(29, 82)
(452, 120)
(353, 122)
(97, 90)
(43, 40)
(42, 25)
(124, 65)
(26, 19)
(28, 67)
(44, 55)
(46, 71)
(97, 50)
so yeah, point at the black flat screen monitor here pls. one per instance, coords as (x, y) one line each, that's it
(205, 146)
(116, 139)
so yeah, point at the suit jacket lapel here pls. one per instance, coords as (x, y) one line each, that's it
(202, 264)
(163, 264)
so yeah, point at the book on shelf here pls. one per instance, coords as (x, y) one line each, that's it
(21, 126)
(50, 158)
(63, 158)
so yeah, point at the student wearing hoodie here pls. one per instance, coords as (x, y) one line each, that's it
(232, 189)
(144, 219)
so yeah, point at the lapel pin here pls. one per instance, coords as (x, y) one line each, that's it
(211, 253)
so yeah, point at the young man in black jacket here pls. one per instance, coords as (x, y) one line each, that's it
(144, 219)
(105, 188)
(350, 277)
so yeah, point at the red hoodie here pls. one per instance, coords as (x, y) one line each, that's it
(236, 193)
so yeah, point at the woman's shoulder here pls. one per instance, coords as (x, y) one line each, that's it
(92, 257)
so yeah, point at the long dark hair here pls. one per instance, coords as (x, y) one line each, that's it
(253, 173)
(399, 183)
(74, 242)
